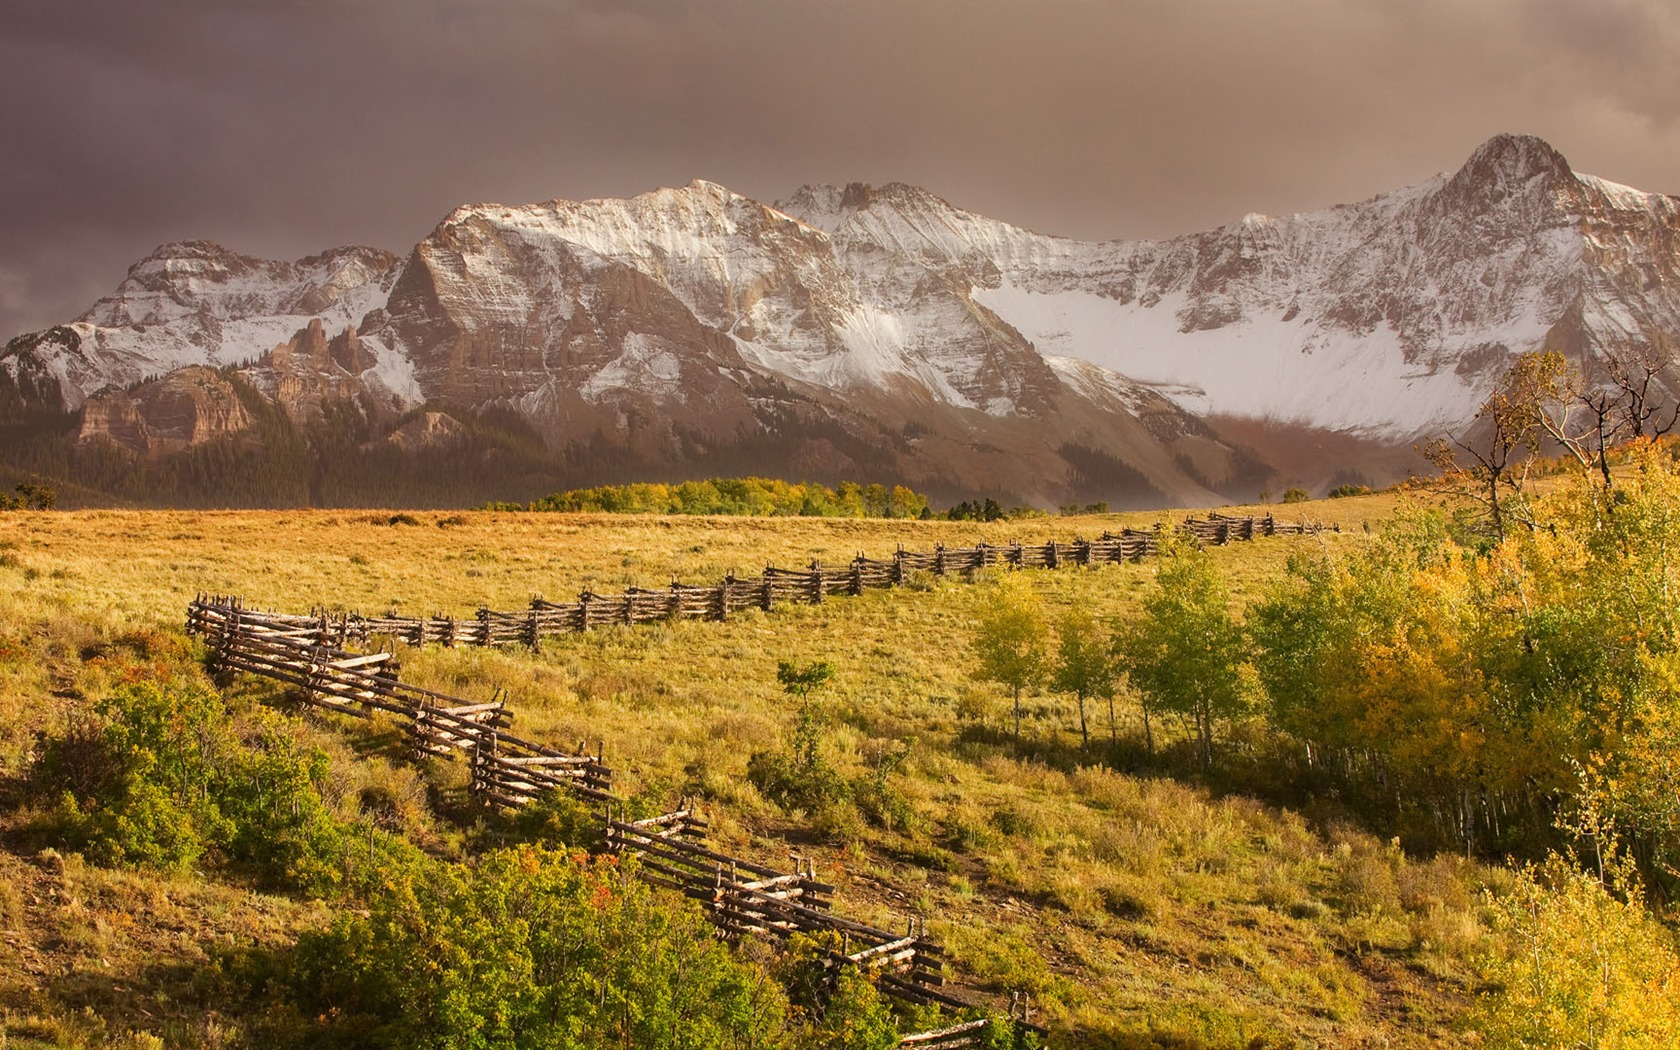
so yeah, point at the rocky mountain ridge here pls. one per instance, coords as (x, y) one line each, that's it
(881, 332)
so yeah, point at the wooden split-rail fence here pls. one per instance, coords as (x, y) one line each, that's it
(744, 898)
(306, 652)
(741, 896)
(778, 586)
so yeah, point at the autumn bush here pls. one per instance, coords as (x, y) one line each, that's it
(1584, 964)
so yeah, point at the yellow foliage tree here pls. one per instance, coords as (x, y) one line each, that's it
(1582, 966)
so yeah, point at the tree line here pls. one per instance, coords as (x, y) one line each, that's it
(755, 496)
(29, 495)
(1450, 693)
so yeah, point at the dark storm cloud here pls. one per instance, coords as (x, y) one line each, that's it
(280, 129)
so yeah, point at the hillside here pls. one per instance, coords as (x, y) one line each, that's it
(1131, 907)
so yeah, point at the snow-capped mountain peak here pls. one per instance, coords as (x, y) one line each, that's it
(696, 314)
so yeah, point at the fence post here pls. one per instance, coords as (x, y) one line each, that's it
(230, 629)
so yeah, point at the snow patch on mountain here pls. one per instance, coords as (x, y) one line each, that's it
(392, 373)
(1622, 196)
(644, 365)
(1094, 382)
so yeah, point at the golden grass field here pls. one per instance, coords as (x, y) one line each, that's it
(1127, 904)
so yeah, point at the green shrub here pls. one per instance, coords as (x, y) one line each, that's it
(1015, 822)
(875, 796)
(1005, 1034)
(882, 804)
(855, 1018)
(278, 824)
(557, 818)
(792, 782)
(165, 776)
(135, 779)
(1296, 496)
(800, 776)
(529, 947)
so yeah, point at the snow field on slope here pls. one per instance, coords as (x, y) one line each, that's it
(1259, 369)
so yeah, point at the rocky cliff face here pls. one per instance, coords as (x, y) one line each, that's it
(189, 406)
(196, 303)
(309, 369)
(882, 332)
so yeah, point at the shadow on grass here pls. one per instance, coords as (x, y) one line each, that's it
(180, 1002)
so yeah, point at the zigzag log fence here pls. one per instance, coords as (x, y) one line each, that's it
(742, 897)
(302, 651)
(778, 586)
(508, 771)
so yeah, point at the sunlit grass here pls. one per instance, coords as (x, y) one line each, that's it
(1125, 904)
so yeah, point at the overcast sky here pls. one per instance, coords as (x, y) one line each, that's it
(280, 129)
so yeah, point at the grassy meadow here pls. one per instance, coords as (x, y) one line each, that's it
(1138, 904)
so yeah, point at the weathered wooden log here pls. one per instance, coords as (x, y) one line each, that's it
(950, 1038)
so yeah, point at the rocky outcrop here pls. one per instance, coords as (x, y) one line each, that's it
(190, 406)
(428, 431)
(31, 367)
(203, 280)
(308, 370)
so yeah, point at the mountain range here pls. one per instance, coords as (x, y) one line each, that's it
(862, 332)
